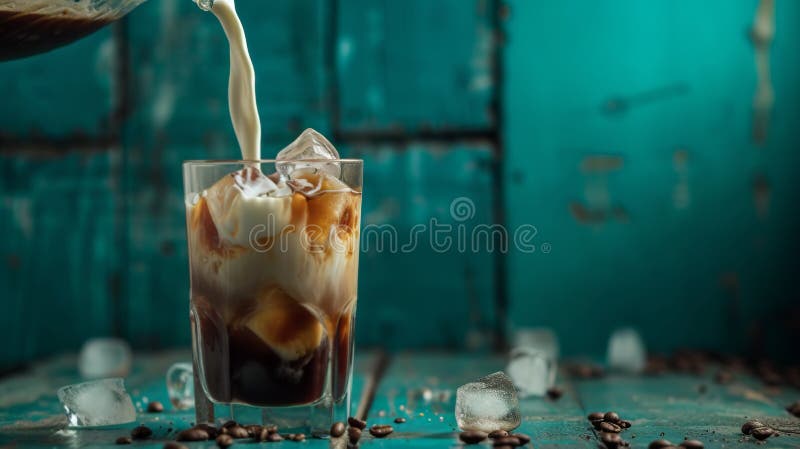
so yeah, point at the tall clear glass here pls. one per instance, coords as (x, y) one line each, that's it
(273, 257)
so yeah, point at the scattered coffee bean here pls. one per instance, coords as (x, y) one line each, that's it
(224, 441)
(337, 429)
(794, 409)
(660, 444)
(555, 393)
(381, 431)
(357, 423)
(238, 432)
(173, 445)
(723, 377)
(253, 429)
(193, 434)
(299, 437)
(353, 434)
(611, 417)
(597, 424)
(523, 439)
(596, 416)
(499, 433)
(141, 433)
(609, 427)
(124, 440)
(472, 436)
(230, 423)
(274, 437)
(507, 441)
(210, 430)
(611, 440)
(762, 433)
(155, 407)
(624, 424)
(749, 426)
(399, 420)
(504, 446)
(691, 444)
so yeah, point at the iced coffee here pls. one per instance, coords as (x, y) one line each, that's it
(273, 250)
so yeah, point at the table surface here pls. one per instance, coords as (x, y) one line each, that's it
(671, 406)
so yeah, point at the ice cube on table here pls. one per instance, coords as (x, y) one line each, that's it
(104, 357)
(101, 402)
(626, 351)
(309, 146)
(539, 338)
(488, 404)
(180, 385)
(532, 371)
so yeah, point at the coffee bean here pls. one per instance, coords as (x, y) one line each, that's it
(299, 437)
(507, 441)
(762, 433)
(155, 407)
(499, 433)
(353, 434)
(210, 430)
(554, 393)
(230, 423)
(124, 440)
(610, 427)
(523, 439)
(357, 423)
(691, 444)
(611, 417)
(253, 429)
(472, 436)
(596, 416)
(193, 434)
(597, 424)
(399, 420)
(238, 432)
(794, 409)
(274, 437)
(723, 377)
(381, 431)
(624, 424)
(141, 433)
(659, 444)
(224, 441)
(504, 446)
(611, 440)
(749, 426)
(337, 429)
(173, 445)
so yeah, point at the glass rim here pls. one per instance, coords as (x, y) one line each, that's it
(201, 162)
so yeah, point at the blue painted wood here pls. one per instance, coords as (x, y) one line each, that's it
(447, 293)
(59, 253)
(416, 64)
(652, 211)
(65, 92)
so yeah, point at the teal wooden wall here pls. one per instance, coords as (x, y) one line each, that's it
(499, 103)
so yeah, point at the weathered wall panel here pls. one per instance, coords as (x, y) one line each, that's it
(415, 64)
(631, 147)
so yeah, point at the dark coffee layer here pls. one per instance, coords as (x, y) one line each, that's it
(240, 367)
(24, 34)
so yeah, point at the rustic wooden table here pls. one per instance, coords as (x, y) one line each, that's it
(421, 388)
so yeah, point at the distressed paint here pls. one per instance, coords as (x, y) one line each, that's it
(415, 64)
(669, 404)
(673, 237)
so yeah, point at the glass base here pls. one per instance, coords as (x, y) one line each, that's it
(312, 420)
